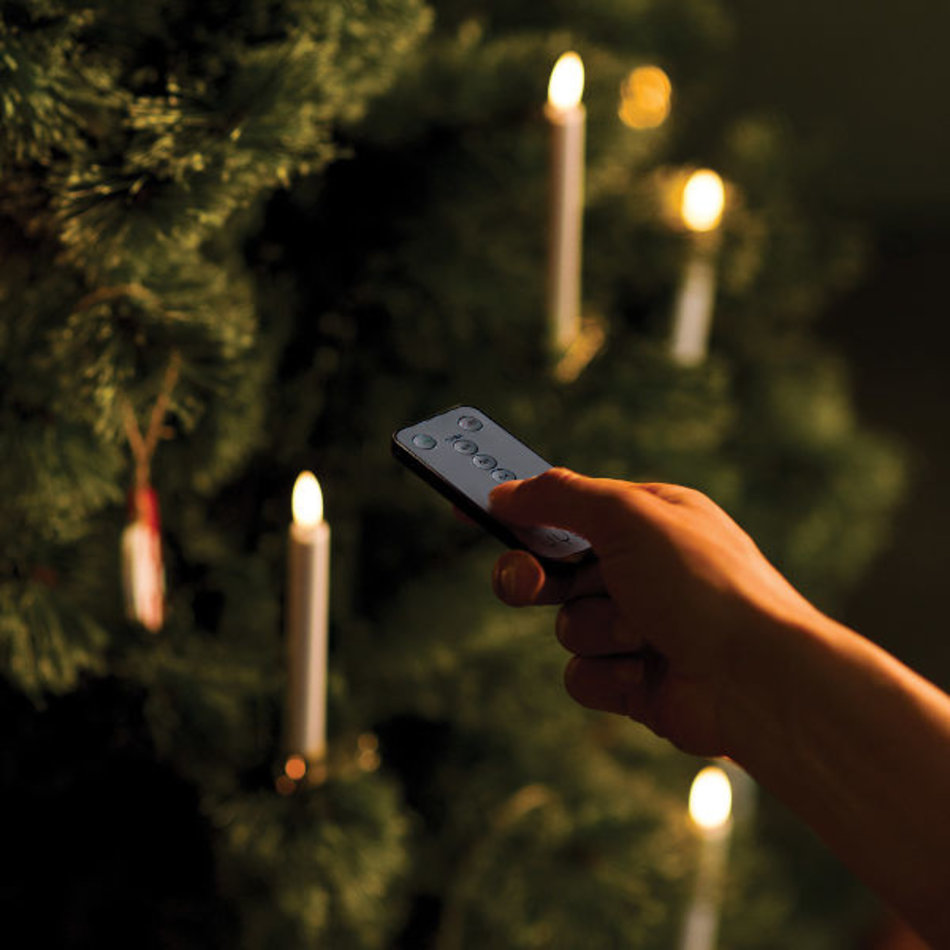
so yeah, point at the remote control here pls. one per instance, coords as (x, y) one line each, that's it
(464, 454)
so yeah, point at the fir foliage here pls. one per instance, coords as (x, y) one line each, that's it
(333, 215)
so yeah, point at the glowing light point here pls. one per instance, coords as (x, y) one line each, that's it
(307, 500)
(710, 799)
(704, 199)
(645, 97)
(566, 85)
(368, 758)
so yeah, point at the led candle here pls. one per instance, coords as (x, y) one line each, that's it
(702, 205)
(567, 117)
(307, 609)
(710, 807)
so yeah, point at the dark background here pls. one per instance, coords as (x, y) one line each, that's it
(870, 81)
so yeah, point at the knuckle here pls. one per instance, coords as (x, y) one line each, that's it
(558, 475)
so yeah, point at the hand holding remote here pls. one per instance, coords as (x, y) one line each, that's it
(682, 624)
(657, 621)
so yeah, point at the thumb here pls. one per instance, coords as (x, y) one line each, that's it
(558, 498)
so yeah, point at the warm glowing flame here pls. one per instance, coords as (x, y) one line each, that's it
(567, 82)
(710, 798)
(704, 198)
(295, 767)
(645, 98)
(307, 500)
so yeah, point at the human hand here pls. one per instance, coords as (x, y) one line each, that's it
(682, 624)
(675, 616)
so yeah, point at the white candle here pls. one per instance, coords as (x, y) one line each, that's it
(307, 607)
(567, 117)
(702, 207)
(710, 807)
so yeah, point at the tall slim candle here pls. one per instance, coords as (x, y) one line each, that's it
(567, 117)
(710, 807)
(702, 207)
(307, 608)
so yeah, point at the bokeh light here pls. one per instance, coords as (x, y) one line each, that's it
(645, 98)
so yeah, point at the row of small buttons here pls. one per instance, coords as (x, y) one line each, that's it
(479, 459)
(468, 447)
(466, 423)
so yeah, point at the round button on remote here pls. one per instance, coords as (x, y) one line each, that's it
(423, 441)
(503, 475)
(470, 423)
(483, 461)
(465, 446)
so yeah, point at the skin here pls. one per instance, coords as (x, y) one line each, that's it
(683, 625)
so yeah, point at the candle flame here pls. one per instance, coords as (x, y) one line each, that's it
(710, 798)
(566, 85)
(704, 199)
(307, 500)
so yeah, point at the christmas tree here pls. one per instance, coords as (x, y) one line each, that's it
(244, 239)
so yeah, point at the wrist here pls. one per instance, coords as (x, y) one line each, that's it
(773, 670)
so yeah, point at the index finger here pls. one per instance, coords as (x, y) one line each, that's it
(561, 498)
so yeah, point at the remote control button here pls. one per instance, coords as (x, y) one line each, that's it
(470, 423)
(503, 475)
(538, 537)
(423, 441)
(465, 446)
(483, 461)
(559, 536)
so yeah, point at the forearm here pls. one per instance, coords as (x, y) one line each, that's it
(859, 746)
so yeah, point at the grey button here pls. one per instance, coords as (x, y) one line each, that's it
(483, 461)
(470, 423)
(423, 441)
(465, 446)
(503, 475)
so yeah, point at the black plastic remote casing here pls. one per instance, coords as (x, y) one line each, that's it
(464, 454)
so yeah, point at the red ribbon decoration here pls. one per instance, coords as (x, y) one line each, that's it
(143, 568)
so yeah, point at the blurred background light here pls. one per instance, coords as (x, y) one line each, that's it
(645, 98)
